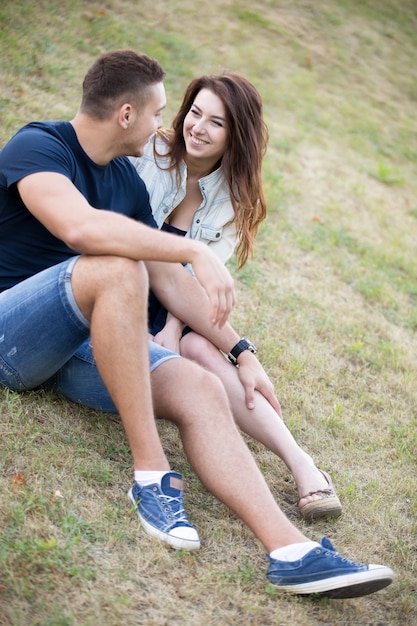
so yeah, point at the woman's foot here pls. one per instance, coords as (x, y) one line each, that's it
(322, 502)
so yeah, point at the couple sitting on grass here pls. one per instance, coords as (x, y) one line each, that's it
(80, 249)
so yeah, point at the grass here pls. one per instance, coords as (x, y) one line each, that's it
(330, 298)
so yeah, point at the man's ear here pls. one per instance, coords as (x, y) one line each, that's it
(125, 115)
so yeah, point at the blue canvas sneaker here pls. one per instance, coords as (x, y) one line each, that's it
(325, 572)
(161, 512)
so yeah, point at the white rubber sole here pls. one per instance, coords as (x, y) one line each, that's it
(348, 586)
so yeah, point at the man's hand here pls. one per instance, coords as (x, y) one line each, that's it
(253, 376)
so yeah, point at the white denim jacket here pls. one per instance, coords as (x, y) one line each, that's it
(212, 222)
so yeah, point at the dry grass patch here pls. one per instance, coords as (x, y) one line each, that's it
(330, 298)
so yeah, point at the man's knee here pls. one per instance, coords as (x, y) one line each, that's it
(94, 276)
(115, 269)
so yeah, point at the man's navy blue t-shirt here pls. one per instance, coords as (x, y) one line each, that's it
(26, 246)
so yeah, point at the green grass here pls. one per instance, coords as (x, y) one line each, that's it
(330, 298)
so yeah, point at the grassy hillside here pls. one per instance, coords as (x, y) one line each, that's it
(330, 298)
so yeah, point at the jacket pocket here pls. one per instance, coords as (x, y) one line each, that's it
(211, 233)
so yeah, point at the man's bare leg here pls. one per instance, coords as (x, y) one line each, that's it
(196, 401)
(112, 293)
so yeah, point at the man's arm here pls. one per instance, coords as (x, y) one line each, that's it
(62, 209)
(183, 296)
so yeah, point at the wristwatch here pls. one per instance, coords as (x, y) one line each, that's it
(242, 345)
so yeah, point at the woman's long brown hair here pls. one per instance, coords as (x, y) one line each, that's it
(246, 147)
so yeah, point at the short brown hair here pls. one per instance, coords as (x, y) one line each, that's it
(118, 75)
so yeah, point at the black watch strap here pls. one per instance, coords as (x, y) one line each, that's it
(242, 345)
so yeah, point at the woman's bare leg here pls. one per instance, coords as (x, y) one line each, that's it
(262, 422)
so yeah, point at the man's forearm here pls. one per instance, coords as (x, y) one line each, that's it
(183, 296)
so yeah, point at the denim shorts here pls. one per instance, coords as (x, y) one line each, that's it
(45, 340)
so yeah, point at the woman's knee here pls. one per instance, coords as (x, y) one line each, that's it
(200, 349)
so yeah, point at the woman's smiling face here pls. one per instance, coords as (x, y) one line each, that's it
(205, 128)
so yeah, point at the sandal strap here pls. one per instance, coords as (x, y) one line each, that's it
(328, 492)
(325, 492)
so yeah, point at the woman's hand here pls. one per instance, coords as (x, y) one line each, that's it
(253, 377)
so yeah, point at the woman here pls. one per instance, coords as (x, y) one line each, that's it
(204, 180)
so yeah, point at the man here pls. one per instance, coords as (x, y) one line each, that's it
(77, 251)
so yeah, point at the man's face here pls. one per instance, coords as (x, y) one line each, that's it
(147, 120)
